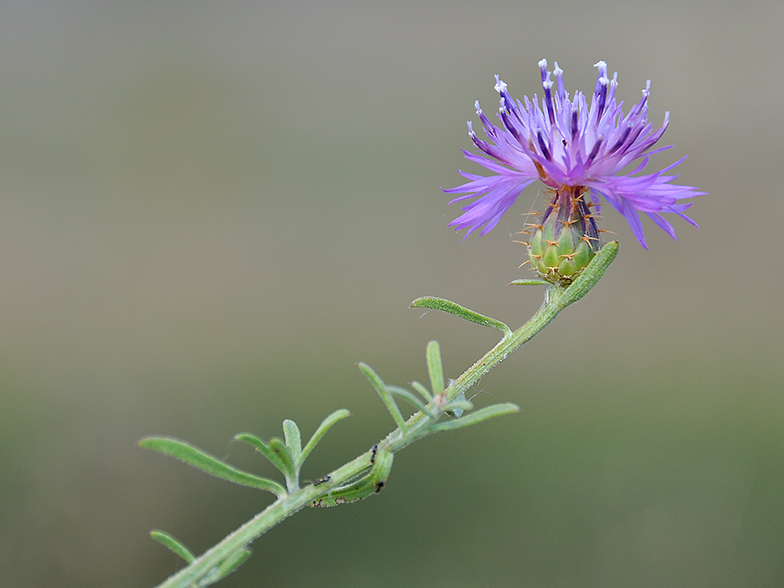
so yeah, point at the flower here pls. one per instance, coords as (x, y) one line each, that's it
(574, 150)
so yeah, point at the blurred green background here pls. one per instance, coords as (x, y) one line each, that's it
(209, 212)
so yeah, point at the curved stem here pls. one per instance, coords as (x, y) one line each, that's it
(556, 299)
(190, 576)
(543, 317)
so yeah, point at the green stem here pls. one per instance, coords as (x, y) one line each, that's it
(275, 513)
(556, 300)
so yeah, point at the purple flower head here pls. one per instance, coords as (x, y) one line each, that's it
(571, 146)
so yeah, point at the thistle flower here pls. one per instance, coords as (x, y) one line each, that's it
(578, 152)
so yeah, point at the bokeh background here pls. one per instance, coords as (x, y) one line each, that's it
(210, 211)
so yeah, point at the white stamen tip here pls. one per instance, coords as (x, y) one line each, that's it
(500, 86)
(600, 64)
(557, 71)
(547, 84)
(543, 64)
(478, 108)
(604, 80)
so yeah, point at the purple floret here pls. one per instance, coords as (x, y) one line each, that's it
(567, 144)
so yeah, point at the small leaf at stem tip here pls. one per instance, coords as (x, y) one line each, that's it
(386, 398)
(435, 367)
(209, 463)
(460, 311)
(293, 439)
(173, 545)
(474, 418)
(529, 283)
(325, 426)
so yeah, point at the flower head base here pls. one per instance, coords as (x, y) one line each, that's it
(566, 238)
(578, 152)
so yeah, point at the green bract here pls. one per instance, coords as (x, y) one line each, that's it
(566, 240)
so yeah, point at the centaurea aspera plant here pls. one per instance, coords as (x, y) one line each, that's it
(578, 153)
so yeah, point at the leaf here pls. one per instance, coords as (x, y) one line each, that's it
(424, 392)
(461, 311)
(209, 463)
(529, 283)
(388, 401)
(590, 275)
(262, 447)
(412, 400)
(325, 426)
(293, 439)
(435, 367)
(477, 417)
(173, 545)
(282, 451)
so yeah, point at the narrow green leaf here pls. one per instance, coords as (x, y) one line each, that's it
(474, 418)
(388, 401)
(424, 392)
(325, 426)
(529, 283)
(435, 367)
(590, 276)
(461, 311)
(262, 447)
(412, 400)
(281, 449)
(173, 545)
(293, 439)
(209, 463)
